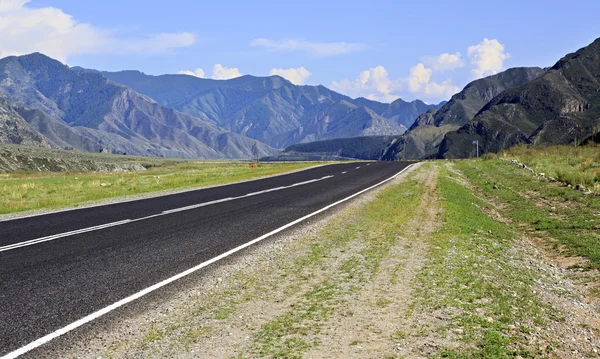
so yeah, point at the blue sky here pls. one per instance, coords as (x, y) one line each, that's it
(378, 49)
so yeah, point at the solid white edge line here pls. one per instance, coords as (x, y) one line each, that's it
(45, 339)
(170, 211)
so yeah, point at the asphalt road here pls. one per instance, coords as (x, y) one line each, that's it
(49, 280)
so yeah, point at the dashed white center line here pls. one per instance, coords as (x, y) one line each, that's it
(358, 167)
(114, 224)
(344, 172)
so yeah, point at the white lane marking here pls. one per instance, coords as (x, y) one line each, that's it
(114, 224)
(368, 164)
(246, 195)
(61, 235)
(358, 167)
(344, 172)
(45, 339)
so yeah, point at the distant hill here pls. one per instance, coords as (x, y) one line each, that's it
(428, 131)
(86, 111)
(364, 148)
(272, 109)
(559, 107)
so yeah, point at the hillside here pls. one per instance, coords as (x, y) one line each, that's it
(364, 148)
(560, 107)
(272, 109)
(429, 129)
(15, 130)
(85, 111)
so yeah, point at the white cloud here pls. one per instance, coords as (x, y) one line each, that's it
(197, 72)
(321, 49)
(50, 31)
(296, 76)
(418, 78)
(373, 84)
(221, 72)
(6, 5)
(487, 57)
(419, 83)
(444, 62)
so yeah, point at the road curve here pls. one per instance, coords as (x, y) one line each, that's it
(58, 268)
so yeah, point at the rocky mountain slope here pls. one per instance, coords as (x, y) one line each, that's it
(560, 107)
(15, 130)
(429, 129)
(86, 111)
(272, 109)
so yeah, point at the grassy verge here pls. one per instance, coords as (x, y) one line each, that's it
(563, 217)
(573, 165)
(474, 282)
(47, 190)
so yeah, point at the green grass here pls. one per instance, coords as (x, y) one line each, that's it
(566, 218)
(573, 165)
(48, 190)
(473, 279)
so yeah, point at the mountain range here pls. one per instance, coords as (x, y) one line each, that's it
(47, 103)
(86, 111)
(272, 109)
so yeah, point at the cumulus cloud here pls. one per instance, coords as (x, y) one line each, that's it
(420, 83)
(6, 5)
(221, 72)
(321, 49)
(57, 34)
(487, 57)
(296, 76)
(444, 62)
(197, 72)
(418, 77)
(373, 84)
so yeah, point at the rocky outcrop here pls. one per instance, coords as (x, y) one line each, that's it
(15, 130)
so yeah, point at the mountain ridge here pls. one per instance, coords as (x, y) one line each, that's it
(559, 107)
(430, 128)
